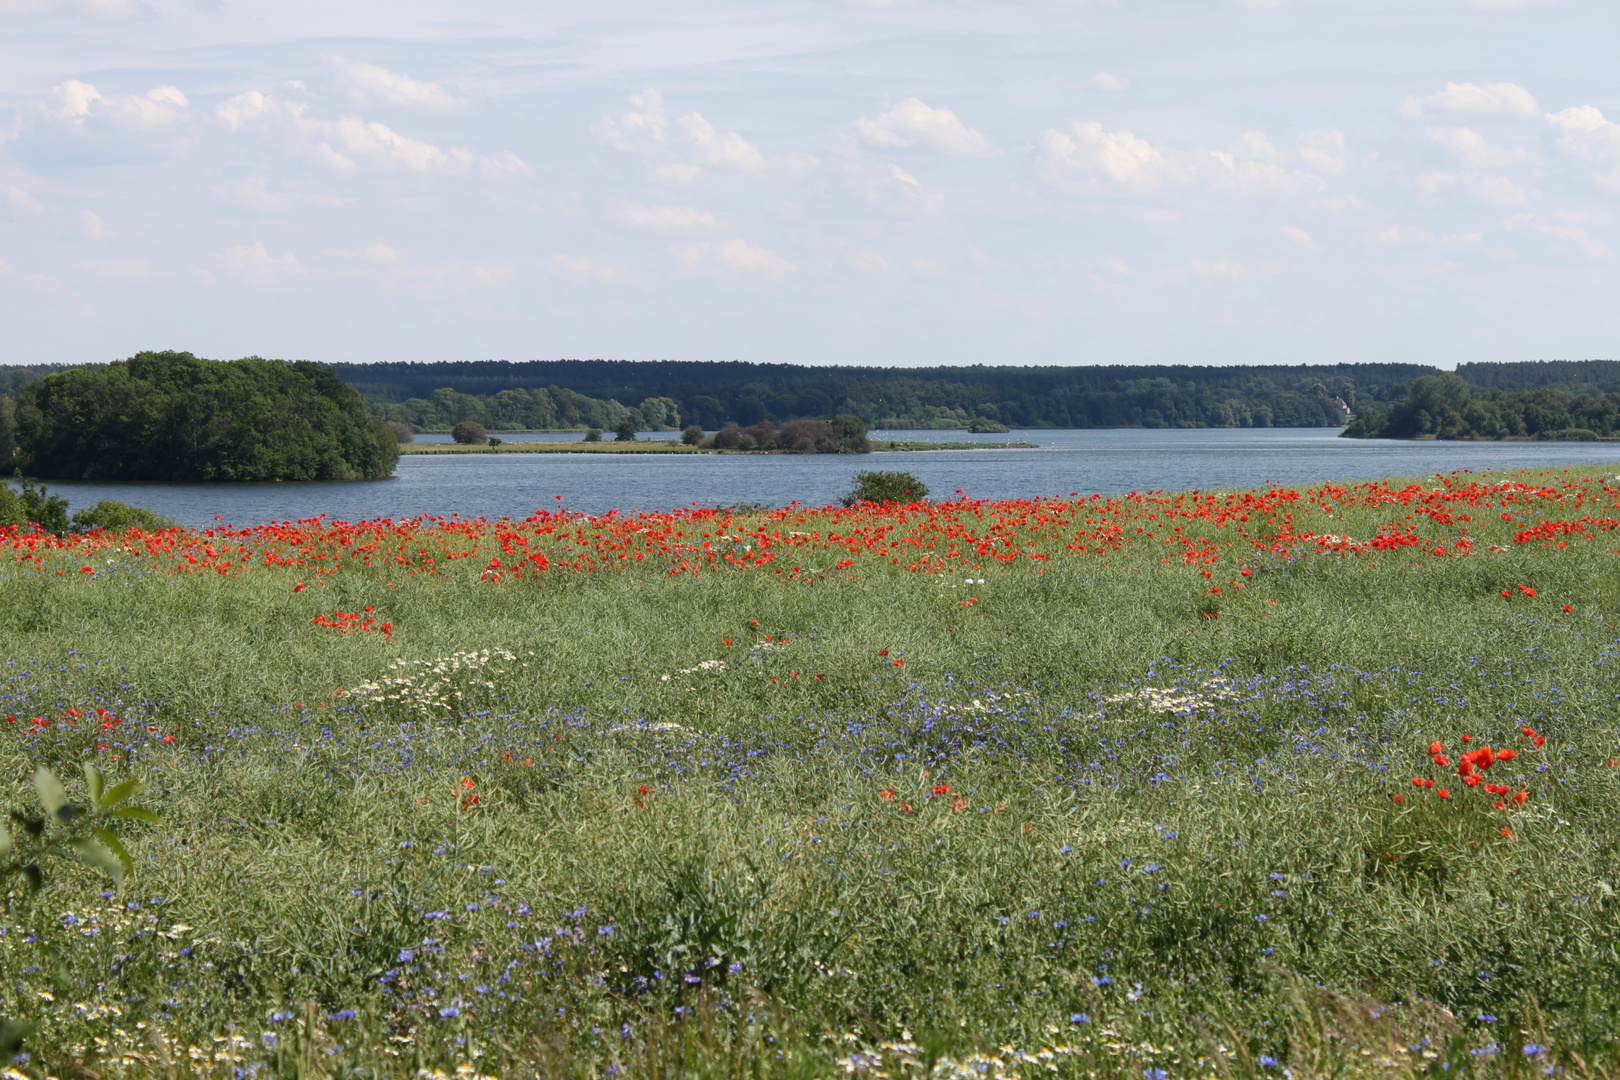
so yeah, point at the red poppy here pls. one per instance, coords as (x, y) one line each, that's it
(1435, 747)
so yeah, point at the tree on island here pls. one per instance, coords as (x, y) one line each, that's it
(469, 433)
(174, 416)
(625, 432)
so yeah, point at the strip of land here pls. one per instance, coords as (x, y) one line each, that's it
(671, 447)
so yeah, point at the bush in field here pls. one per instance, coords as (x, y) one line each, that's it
(469, 433)
(692, 435)
(30, 504)
(593, 434)
(174, 416)
(880, 487)
(625, 432)
(401, 432)
(113, 516)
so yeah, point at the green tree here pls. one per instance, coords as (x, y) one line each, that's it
(469, 433)
(625, 432)
(173, 416)
(880, 487)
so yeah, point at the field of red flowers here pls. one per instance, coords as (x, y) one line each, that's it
(1275, 782)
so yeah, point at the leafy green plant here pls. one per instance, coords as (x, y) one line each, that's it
(113, 516)
(880, 487)
(469, 433)
(66, 830)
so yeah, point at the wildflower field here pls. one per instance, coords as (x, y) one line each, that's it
(1282, 782)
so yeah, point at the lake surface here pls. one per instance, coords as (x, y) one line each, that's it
(1088, 462)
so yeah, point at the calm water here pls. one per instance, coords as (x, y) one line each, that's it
(1088, 462)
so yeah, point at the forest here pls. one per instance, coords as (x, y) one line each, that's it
(1447, 407)
(714, 394)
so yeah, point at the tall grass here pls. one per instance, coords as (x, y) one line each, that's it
(1075, 812)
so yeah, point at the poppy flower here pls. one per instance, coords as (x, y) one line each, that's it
(1435, 747)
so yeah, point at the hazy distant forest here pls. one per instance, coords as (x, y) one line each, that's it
(667, 395)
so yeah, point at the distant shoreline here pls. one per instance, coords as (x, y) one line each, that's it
(884, 446)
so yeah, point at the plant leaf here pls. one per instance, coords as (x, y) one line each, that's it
(92, 780)
(116, 846)
(52, 796)
(95, 853)
(139, 813)
(12, 1034)
(119, 792)
(5, 841)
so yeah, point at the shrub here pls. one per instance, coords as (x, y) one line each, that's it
(981, 425)
(30, 504)
(727, 438)
(879, 487)
(625, 432)
(401, 432)
(175, 416)
(851, 434)
(593, 434)
(469, 433)
(493, 441)
(113, 516)
(692, 435)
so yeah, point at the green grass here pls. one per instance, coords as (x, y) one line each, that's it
(1176, 824)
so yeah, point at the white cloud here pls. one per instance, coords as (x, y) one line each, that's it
(349, 144)
(1119, 155)
(369, 84)
(664, 218)
(900, 176)
(254, 264)
(1324, 150)
(1111, 84)
(1090, 152)
(738, 255)
(22, 200)
(159, 107)
(1254, 144)
(93, 226)
(108, 10)
(913, 123)
(1500, 191)
(1472, 149)
(1492, 190)
(1588, 134)
(1491, 99)
(1301, 237)
(73, 100)
(689, 138)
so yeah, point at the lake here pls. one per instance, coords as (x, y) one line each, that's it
(1108, 462)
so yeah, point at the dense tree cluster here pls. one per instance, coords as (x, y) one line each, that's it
(715, 394)
(173, 416)
(1447, 407)
(840, 435)
(527, 409)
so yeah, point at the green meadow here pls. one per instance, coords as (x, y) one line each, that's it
(1098, 787)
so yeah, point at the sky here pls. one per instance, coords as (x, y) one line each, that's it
(812, 181)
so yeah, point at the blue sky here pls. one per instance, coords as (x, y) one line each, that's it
(899, 183)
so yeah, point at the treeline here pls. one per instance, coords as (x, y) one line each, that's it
(174, 416)
(527, 409)
(715, 394)
(1447, 407)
